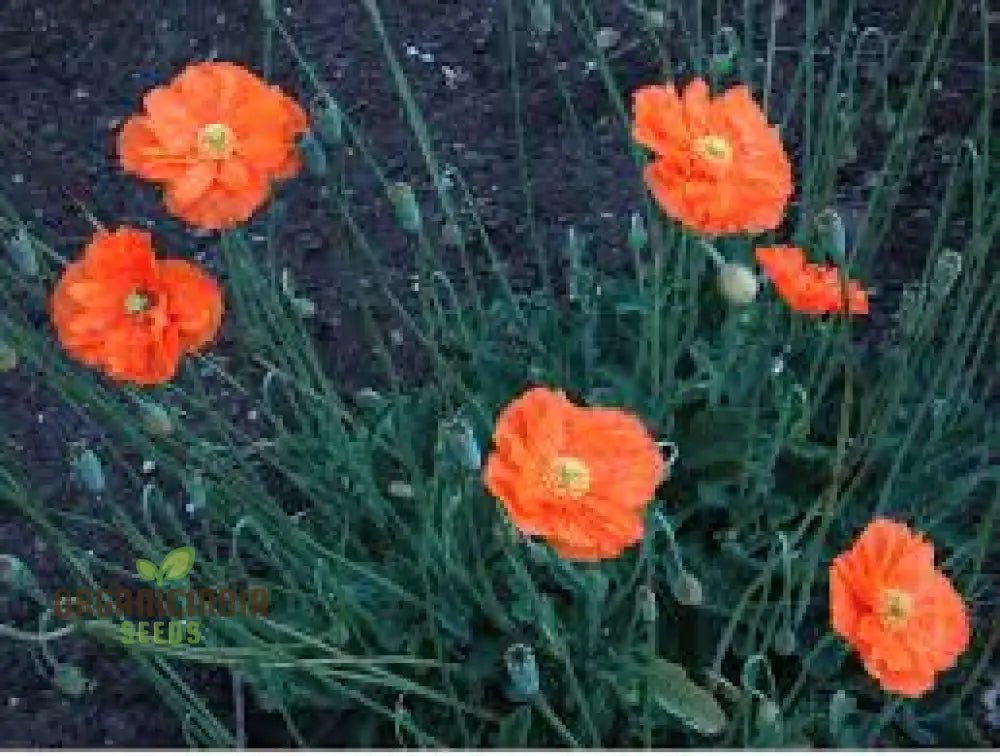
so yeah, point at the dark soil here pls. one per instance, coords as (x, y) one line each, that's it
(70, 72)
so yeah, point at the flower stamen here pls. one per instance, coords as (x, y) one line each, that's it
(137, 302)
(715, 148)
(216, 141)
(568, 477)
(896, 609)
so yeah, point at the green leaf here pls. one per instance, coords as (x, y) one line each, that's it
(177, 563)
(514, 729)
(147, 570)
(674, 692)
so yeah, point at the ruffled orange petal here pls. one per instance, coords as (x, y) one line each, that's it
(194, 303)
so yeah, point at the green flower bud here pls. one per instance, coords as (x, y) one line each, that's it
(404, 201)
(687, 589)
(738, 284)
(88, 472)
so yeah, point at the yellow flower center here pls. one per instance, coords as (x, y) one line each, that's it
(568, 477)
(896, 609)
(136, 302)
(715, 148)
(216, 141)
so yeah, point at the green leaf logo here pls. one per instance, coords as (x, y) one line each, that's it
(177, 563)
(174, 566)
(147, 570)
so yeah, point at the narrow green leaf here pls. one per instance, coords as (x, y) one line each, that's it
(674, 692)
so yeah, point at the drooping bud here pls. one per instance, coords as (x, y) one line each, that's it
(738, 284)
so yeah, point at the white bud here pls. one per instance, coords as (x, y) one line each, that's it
(738, 284)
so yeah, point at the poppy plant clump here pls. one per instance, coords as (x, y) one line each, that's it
(216, 137)
(578, 477)
(809, 288)
(718, 167)
(900, 613)
(120, 310)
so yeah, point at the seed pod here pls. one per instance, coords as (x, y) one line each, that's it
(404, 202)
(738, 284)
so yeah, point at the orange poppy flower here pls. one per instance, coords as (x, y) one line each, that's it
(718, 167)
(215, 137)
(809, 288)
(580, 478)
(122, 311)
(898, 611)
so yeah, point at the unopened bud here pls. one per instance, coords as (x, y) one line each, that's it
(607, 37)
(15, 573)
(947, 269)
(525, 683)
(785, 642)
(88, 472)
(768, 712)
(404, 201)
(313, 154)
(738, 284)
(541, 17)
(637, 235)
(22, 253)
(268, 10)
(647, 603)
(156, 419)
(912, 304)
(687, 589)
(328, 121)
(831, 227)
